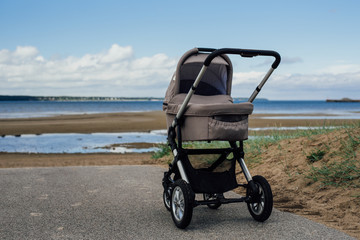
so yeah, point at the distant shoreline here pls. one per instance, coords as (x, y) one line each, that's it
(88, 99)
(342, 100)
(74, 98)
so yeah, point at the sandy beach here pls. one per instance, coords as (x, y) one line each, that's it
(135, 122)
(85, 123)
(108, 123)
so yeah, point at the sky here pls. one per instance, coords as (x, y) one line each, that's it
(121, 48)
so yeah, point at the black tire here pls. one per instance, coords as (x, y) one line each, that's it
(214, 196)
(167, 198)
(167, 192)
(182, 200)
(261, 205)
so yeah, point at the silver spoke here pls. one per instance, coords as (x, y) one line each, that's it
(178, 204)
(258, 207)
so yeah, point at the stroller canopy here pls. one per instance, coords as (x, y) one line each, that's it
(216, 81)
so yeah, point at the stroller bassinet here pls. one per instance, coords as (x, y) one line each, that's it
(199, 107)
(211, 113)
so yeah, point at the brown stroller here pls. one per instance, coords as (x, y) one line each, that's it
(199, 107)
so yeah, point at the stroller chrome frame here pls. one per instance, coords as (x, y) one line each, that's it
(180, 182)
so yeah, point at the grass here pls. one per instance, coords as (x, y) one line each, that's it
(337, 174)
(345, 171)
(257, 145)
(163, 151)
(316, 156)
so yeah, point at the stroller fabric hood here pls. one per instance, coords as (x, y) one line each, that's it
(216, 81)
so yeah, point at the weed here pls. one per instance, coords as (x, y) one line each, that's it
(316, 156)
(164, 150)
(342, 173)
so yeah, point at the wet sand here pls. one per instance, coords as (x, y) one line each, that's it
(107, 123)
(132, 122)
(85, 123)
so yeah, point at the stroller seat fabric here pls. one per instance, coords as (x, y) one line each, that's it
(211, 118)
(211, 113)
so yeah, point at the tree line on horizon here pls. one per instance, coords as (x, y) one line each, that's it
(74, 98)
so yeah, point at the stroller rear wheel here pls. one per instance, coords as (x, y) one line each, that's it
(260, 206)
(208, 196)
(182, 199)
(167, 198)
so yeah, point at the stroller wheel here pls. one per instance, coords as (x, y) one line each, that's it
(182, 199)
(214, 196)
(167, 198)
(260, 207)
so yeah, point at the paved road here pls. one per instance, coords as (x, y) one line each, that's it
(124, 202)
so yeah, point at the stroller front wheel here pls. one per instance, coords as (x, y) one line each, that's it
(261, 204)
(182, 199)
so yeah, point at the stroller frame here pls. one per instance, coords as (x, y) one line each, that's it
(180, 181)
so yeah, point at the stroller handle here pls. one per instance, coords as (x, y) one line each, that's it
(243, 53)
(214, 53)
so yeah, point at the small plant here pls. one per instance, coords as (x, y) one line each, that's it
(316, 156)
(342, 173)
(164, 150)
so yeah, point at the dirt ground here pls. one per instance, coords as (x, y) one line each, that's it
(286, 166)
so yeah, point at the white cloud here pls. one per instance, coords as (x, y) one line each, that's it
(247, 77)
(27, 52)
(4, 55)
(341, 69)
(20, 56)
(284, 60)
(331, 84)
(117, 53)
(113, 72)
(117, 72)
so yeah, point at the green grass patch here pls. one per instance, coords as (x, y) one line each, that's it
(316, 156)
(164, 150)
(345, 171)
(254, 146)
(342, 173)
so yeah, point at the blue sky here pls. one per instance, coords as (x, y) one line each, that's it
(130, 48)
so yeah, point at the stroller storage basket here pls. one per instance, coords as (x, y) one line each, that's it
(204, 180)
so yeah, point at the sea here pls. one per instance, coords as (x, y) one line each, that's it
(122, 142)
(31, 109)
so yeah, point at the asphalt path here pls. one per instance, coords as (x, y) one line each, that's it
(124, 202)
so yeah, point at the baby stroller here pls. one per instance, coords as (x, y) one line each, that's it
(199, 107)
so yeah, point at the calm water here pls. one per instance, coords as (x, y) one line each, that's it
(94, 142)
(81, 143)
(28, 109)
(112, 142)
